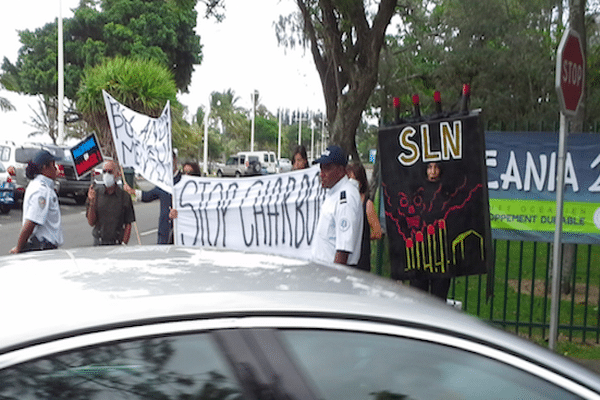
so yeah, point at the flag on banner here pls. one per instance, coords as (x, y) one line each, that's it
(142, 142)
(86, 155)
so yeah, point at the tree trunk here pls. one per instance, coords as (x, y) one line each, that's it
(345, 48)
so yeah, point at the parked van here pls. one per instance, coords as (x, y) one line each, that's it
(247, 163)
(267, 159)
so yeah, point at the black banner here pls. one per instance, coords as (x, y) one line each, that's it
(437, 225)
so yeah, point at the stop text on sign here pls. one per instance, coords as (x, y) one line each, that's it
(572, 73)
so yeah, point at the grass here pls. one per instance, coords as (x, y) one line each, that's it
(522, 292)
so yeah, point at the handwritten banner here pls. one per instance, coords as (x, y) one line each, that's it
(436, 226)
(522, 186)
(142, 142)
(275, 214)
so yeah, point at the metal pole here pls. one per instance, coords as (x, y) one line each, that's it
(299, 127)
(205, 166)
(279, 136)
(61, 78)
(312, 137)
(556, 257)
(253, 118)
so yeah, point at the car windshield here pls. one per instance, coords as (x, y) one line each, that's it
(60, 153)
(25, 154)
(4, 153)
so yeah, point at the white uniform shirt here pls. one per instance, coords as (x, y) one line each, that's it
(340, 224)
(40, 205)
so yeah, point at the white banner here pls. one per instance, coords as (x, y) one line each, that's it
(142, 142)
(274, 214)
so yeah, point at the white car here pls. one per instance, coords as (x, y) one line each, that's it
(168, 322)
(284, 165)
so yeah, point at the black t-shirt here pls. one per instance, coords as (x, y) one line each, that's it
(113, 212)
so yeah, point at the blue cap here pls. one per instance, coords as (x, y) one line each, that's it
(333, 155)
(43, 157)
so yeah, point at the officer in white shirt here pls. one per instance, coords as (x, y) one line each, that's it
(42, 227)
(340, 226)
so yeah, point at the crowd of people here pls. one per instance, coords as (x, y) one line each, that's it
(347, 222)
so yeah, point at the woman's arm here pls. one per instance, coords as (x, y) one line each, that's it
(376, 232)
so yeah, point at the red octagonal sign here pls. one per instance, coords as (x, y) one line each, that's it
(570, 72)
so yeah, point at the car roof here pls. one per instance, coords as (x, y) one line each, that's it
(51, 294)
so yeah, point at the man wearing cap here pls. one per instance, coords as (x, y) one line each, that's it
(42, 228)
(340, 226)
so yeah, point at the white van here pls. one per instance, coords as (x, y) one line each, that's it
(267, 159)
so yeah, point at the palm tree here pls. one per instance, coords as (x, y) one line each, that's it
(142, 85)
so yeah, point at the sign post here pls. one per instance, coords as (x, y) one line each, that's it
(570, 78)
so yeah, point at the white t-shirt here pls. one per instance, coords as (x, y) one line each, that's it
(40, 205)
(340, 224)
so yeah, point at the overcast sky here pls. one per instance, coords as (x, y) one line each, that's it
(241, 54)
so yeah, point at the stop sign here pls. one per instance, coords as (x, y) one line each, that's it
(570, 72)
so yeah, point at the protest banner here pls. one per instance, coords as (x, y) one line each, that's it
(142, 142)
(86, 155)
(442, 227)
(274, 214)
(522, 169)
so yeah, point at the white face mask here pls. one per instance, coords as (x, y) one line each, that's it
(109, 179)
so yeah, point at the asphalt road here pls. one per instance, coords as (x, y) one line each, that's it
(76, 231)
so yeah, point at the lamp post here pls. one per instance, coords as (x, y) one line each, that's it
(254, 98)
(61, 78)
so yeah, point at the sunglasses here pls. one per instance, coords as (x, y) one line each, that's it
(107, 171)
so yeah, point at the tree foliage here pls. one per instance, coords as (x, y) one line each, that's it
(504, 49)
(151, 29)
(345, 38)
(144, 86)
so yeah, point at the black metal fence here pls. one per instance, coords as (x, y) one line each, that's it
(522, 291)
(521, 295)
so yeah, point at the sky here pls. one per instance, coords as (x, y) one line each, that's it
(241, 53)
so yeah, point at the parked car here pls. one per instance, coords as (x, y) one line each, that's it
(284, 165)
(69, 185)
(7, 190)
(15, 158)
(135, 322)
(240, 165)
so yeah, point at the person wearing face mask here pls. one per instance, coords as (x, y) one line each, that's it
(109, 209)
(166, 215)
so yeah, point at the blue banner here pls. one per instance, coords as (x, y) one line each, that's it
(521, 169)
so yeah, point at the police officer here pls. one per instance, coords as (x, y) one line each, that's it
(42, 227)
(340, 226)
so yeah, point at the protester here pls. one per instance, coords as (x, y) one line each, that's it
(371, 225)
(191, 168)
(437, 285)
(42, 226)
(166, 215)
(109, 209)
(299, 158)
(339, 229)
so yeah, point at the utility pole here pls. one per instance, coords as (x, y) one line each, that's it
(61, 78)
